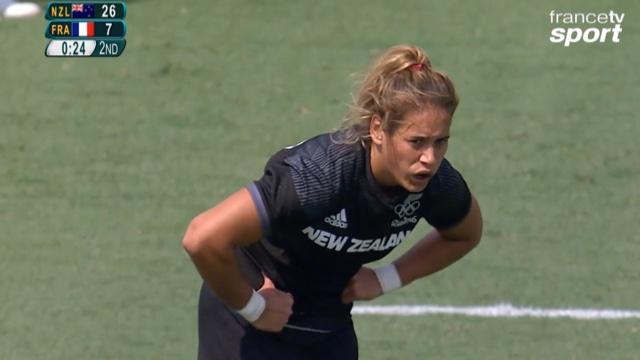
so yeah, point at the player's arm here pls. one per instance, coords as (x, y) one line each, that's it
(440, 248)
(211, 240)
(437, 250)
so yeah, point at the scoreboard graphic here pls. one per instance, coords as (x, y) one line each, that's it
(86, 29)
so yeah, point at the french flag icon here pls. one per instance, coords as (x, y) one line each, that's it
(86, 29)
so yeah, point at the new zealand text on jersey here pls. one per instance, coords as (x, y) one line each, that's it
(337, 243)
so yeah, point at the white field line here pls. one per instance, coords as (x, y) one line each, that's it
(497, 311)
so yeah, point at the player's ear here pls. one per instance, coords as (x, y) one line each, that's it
(375, 129)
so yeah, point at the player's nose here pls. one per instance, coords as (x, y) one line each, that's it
(428, 157)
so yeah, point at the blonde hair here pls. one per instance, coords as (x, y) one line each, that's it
(399, 81)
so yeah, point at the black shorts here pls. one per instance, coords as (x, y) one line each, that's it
(224, 335)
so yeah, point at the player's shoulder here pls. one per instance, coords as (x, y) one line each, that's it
(322, 169)
(324, 155)
(444, 179)
(448, 197)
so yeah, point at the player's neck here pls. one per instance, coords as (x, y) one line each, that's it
(380, 173)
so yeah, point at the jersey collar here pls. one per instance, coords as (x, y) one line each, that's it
(389, 196)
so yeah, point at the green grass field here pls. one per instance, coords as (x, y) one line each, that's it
(103, 162)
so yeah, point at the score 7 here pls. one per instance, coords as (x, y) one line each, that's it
(115, 28)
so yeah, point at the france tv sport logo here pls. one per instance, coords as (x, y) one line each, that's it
(609, 27)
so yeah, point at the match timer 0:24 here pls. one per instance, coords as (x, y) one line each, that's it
(86, 29)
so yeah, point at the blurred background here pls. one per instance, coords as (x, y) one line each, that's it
(104, 161)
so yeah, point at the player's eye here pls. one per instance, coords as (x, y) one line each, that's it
(416, 142)
(442, 141)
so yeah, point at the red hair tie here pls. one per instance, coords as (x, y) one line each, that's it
(416, 67)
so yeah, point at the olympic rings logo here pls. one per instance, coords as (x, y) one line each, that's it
(409, 206)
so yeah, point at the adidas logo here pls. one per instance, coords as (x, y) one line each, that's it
(338, 220)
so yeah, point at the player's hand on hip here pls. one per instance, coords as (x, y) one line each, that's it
(277, 310)
(364, 285)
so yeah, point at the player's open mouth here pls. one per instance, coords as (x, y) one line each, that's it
(422, 176)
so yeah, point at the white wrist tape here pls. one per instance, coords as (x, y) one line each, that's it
(388, 278)
(254, 308)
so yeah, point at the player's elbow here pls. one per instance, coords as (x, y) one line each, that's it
(204, 236)
(474, 240)
(195, 240)
(475, 234)
(474, 225)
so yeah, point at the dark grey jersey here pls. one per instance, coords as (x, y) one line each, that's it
(323, 215)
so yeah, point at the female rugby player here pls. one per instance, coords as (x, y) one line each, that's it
(283, 258)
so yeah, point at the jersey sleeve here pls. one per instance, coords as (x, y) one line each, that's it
(448, 198)
(275, 197)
